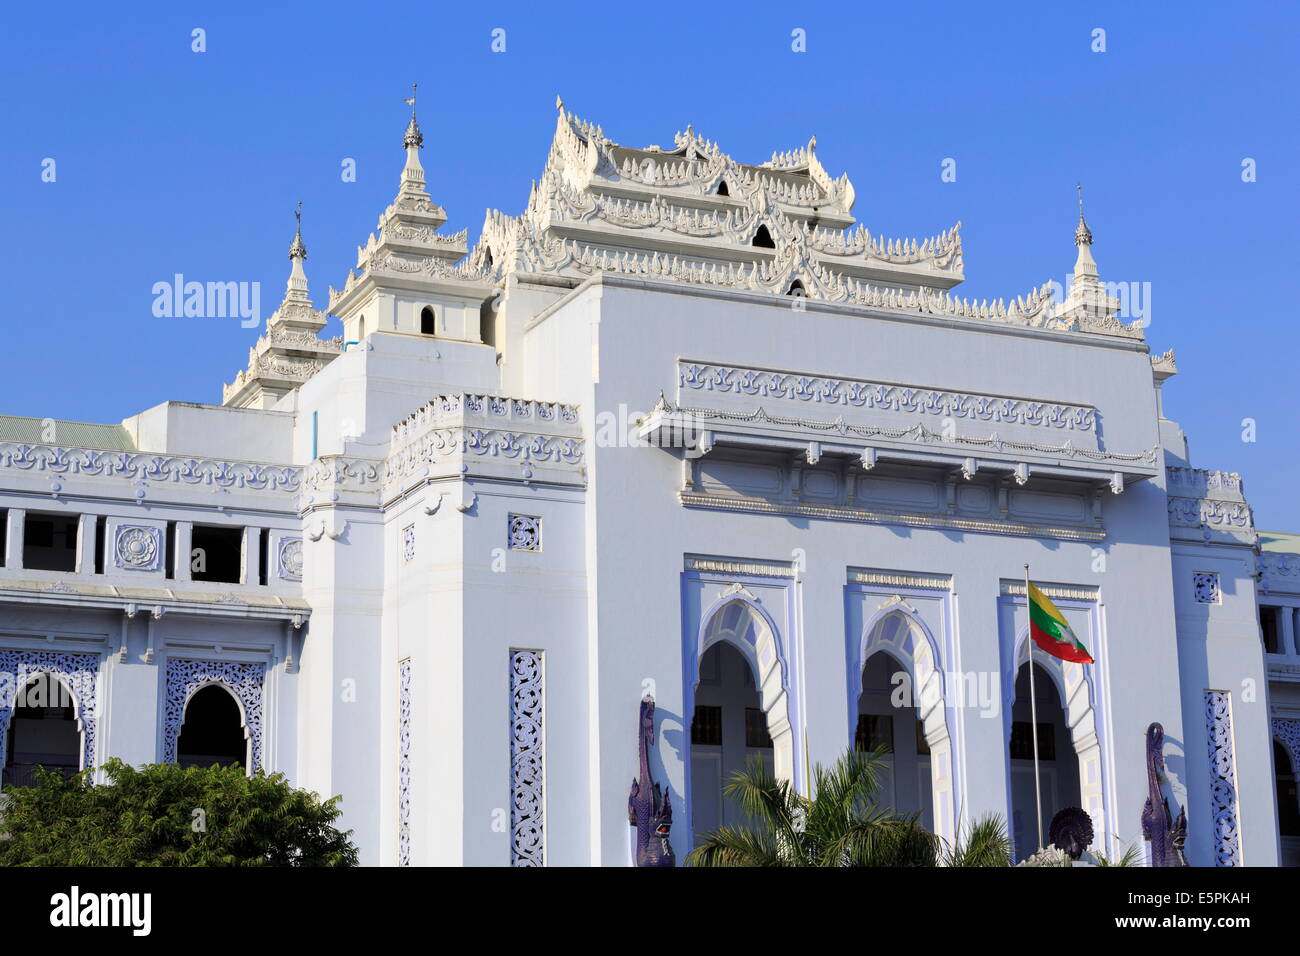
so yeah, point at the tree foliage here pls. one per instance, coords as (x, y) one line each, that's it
(840, 825)
(163, 815)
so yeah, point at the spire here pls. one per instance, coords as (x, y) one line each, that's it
(298, 250)
(412, 185)
(296, 290)
(413, 135)
(1084, 265)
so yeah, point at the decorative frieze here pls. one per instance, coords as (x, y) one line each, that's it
(1057, 592)
(1223, 777)
(1212, 514)
(733, 566)
(1279, 571)
(855, 393)
(245, 680)
(917, 434)
(900, 579)
(527, 759)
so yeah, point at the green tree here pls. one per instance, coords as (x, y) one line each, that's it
(840, 825)
(163, 815)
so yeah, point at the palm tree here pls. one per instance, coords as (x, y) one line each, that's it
(842, 825)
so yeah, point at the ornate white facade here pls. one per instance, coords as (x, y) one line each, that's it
(679, 404)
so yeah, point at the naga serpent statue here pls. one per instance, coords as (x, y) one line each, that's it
(648, 808)
(1165, 834)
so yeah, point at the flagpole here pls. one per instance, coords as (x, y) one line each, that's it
(1033, 708)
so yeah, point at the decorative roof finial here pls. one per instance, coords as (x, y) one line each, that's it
(298, 250)
(1082, 234)
(559, 103)
(413, 135)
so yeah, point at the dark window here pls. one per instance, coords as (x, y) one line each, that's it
(922, 745)
(263, 555)
(4, 533)
(706, 728)
(426, 321)
(169, 550)
(217, 554)
(1269, 630)
(50, 542)
(1288, 810)
(42, 733)
(101, 542)
(213, 732)
(1022, 745)
(875, 732)
(763, 239)
(797, 290)
(722, 188)
(756, 734)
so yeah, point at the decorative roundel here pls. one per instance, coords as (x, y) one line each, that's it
(291, 557)
(137, 547)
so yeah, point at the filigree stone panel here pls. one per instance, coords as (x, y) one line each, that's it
(78, 671)
(404, 763)
(525, 533)
(527, 750)
(1223, 778)
(245, 680)
(1205, 584)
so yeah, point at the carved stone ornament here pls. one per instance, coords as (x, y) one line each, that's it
(291, 559)
(138, 548)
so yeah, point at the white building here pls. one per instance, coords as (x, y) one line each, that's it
(683, 428)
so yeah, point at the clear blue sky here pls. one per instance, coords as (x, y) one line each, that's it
(173, 161)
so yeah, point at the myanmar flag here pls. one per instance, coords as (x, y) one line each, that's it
(1051, 633)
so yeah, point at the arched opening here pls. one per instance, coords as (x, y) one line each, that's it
(1288, 807)
(1058, 763)
(722, 188)
(212, 731)
(427, 323)
(43, 732)
(796, 289)
(763, 238)
(729, 728)
(889, 721)
(487, 258)
(361, 329)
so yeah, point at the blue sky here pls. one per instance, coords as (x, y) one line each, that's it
(174, 161)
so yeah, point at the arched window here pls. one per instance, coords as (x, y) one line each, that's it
(722, 188)
(43, 732)
(896, 731)
(361, 329)
(728, 731)
(1057, 761)
(763, 239)
(797, 290)
(213, 730)
(487, 258)
(427, 322)
(1288, 810)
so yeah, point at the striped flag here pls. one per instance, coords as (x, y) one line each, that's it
(1050, 631)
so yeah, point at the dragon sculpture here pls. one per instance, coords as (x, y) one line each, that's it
(1166, 835)
(648, 808)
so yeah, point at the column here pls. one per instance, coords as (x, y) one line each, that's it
(13, 543)
(1286, 632)
(182, 548)
(252, 556)
(86, 544)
